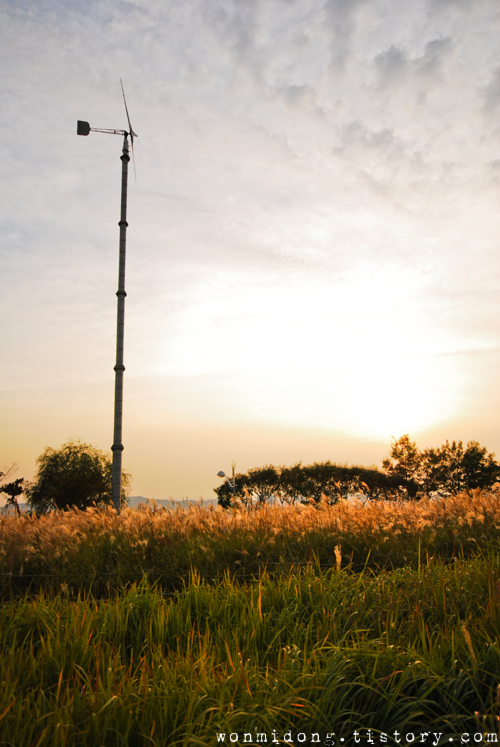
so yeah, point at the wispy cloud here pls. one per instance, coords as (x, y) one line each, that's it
(314, 220)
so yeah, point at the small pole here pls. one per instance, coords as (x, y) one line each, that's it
(117, 448)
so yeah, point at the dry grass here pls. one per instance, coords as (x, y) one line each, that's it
(92, 544)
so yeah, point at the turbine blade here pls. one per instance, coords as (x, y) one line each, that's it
(131, 132)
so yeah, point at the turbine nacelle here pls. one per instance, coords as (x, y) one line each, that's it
(83, 128)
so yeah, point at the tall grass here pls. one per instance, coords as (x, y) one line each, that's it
(381, 618)
(101, 551)
(307, 652)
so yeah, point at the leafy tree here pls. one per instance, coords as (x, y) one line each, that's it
(443, 468)
(480, 468)
(256, 487)
(407, 473)
(295, 484)
(325, 480)
(378, 485)
(78, 474)
(11, 489)
(451, 468)
(405, 462)
(305, 483)
(225, 494)
(260, 484)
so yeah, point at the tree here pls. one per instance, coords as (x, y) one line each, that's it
(407, 473)
(261, 484)
(314, 482)
(11, 489)
(443, 468)
(451, 468)
(480, 468)
(76, 475)
(405, 462)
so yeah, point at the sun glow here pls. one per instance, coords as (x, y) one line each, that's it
(358, 356)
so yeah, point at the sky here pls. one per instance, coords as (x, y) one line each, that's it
(313, 242)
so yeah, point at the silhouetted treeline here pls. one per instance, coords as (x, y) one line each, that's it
(406, 473)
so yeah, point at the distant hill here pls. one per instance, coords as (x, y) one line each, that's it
(6, 510)
(136, 500)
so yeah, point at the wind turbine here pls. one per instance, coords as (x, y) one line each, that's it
(83, 128)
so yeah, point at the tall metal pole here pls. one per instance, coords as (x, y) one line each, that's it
(117, 448)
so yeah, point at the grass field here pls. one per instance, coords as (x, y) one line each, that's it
(270, 626)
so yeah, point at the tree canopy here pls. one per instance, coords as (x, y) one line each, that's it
(450, 468)
(317, 481)
(407, 473)
(76, 475)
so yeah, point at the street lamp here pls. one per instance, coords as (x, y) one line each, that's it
(230, 481)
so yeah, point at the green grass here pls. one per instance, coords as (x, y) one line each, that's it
(307, 651)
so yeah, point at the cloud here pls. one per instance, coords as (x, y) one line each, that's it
(358, 134)
(465, 5)
(297, 98)
(391, 66)
(237, 26)
(287, 151)
(491, 92)
(394, 66)
(340, 16)
(430, 63)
